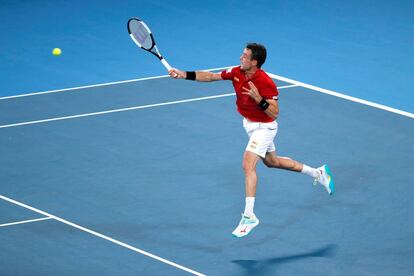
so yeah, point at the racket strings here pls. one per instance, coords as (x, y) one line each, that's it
(141, 34)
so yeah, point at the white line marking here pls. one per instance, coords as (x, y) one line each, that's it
(95, 85)
(114, 111)
(343, 96)
(312, 87)
(287, 86)
(124, 109)
(78, 88)
(101, 235)
(24, 221)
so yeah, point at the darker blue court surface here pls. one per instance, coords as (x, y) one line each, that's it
(166, 178)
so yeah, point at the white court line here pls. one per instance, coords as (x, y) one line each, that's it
(24, 221)
(101, 236)
(125, 109)
(297, 83)
(95, 85)
(343, 96)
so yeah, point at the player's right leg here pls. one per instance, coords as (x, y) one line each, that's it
(246, 225)
(261, 135)
(249, 219)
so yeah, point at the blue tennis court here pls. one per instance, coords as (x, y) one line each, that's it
(144, 177)
(110, 167)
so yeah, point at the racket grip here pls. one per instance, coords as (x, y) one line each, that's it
(166, 65)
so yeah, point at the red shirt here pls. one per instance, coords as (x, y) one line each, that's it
(246, 106)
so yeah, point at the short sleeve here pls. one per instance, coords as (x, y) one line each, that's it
(227, 74)
(269, 91)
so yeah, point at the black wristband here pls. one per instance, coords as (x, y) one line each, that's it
(263, 105)
(191, 75)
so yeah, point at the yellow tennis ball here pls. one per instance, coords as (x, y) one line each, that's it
(56, 51)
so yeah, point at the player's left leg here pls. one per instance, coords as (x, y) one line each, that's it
(321, 175)
(271, 160)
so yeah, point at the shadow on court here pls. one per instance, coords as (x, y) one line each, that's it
(270, 265)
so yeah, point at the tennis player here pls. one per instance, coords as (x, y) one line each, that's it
(257, 102)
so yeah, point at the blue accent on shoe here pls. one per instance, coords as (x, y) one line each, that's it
(331, 182)
(247, 220)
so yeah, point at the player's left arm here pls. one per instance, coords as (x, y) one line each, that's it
(272, 109)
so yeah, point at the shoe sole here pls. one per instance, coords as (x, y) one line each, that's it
(331, 182)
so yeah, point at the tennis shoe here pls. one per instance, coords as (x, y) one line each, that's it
(325, 179)
(246, 225)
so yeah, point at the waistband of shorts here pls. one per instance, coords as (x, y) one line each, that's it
(250, 121)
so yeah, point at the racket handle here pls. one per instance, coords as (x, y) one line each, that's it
(166, 65)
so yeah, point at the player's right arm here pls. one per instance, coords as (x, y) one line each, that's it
(200, 75)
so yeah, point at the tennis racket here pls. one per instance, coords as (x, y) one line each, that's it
(142, 36)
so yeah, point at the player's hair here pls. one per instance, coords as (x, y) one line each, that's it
(258, 53)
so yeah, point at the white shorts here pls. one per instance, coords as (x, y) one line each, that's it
(261, 136)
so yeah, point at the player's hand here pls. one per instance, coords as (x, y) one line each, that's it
(252, 92)
(177, 74)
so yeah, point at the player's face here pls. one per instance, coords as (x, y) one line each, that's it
(246, 62)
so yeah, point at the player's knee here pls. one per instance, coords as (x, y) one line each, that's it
(248, 168)
(272, 163)
(267, 163)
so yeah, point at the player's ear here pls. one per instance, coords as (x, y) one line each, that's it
(254, 62)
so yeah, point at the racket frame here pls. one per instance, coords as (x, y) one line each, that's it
(153, 46)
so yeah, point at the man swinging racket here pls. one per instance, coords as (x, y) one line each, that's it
(257, 97)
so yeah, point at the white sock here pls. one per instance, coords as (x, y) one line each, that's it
(248, 210)
(314, 173)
